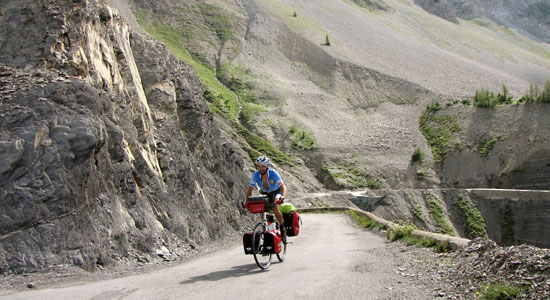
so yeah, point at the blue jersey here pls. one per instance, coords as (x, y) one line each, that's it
(273, 179)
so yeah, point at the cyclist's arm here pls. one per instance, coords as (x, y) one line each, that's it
(248, 193)
(282, 188)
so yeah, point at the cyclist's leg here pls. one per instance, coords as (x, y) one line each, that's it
(279, 216)
(277, 209)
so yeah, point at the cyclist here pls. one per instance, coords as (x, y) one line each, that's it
(270, 183)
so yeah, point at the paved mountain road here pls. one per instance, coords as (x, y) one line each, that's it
(331, 259)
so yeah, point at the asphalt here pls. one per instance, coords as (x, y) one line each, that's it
(332, 258)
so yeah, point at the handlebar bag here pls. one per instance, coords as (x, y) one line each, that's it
(256, 206)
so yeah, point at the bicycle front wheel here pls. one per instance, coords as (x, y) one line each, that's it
(261, 254)
(281, 255)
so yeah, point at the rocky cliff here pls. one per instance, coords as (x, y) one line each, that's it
(108, 151)
(531, 17)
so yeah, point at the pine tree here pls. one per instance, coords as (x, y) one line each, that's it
(327, 42)
(545, 97)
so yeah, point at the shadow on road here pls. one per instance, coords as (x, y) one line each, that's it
(236, 271)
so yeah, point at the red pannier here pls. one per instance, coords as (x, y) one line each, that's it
(272, 241)
(292, 223)
(247, 242)
(256, 204)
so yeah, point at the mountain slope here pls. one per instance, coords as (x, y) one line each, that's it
(115, 147)
(362, 96)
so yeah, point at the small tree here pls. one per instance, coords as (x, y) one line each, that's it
(484, 98)
(327, 42)
(295, 14)
(530, 95)
(505, 97)
(545, 97)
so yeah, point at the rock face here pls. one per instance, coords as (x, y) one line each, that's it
(531, 17)
(107, 148)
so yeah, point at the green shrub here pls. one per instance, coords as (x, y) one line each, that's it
(428, 242)
(411, 240)
(466, 101)
(443, 247)
(417, 156)
(396, 232)
(433, 107)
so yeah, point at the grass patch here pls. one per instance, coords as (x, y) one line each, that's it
(486, 146)
(475, 225)
(218, 21)
(400, 232)
(411, 240)
(417, 211)
(349, 177)
(438, 214)
(301, 139)
(502, 291)
(421, 174)
(439, 130)
(365, 222)
(260, 146)
(238, 79)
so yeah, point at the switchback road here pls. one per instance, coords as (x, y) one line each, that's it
(332, 258)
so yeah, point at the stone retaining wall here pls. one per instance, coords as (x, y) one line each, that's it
(515, 217)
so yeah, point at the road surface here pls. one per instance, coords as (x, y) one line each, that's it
(331, 259)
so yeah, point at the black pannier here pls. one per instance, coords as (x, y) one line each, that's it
(247, 242)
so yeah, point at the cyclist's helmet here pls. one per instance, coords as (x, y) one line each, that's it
(264, 160)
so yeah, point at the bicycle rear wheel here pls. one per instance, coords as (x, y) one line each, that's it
(261, 254)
